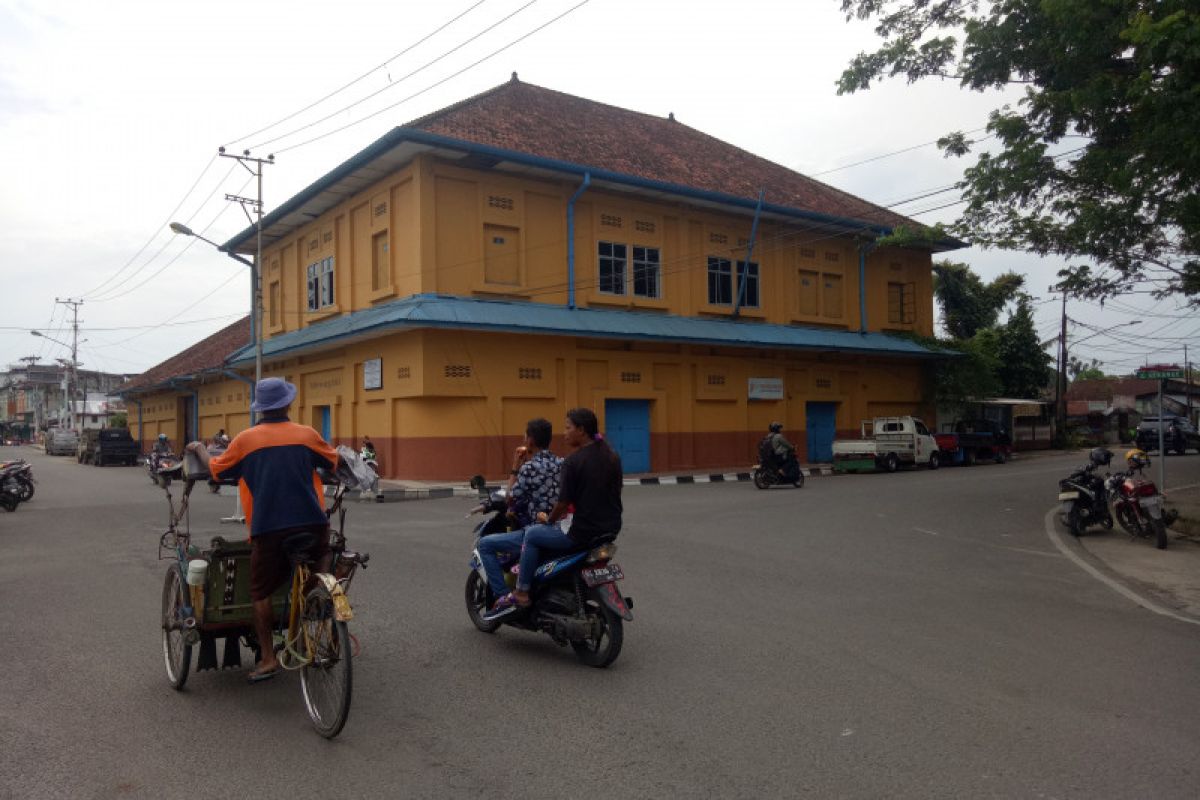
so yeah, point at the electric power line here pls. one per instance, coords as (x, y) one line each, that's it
(365, 75)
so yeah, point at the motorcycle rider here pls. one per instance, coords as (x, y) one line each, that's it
(783, 453)
(591, 482)
(533, 489)
(1137, 460)
(162, 447)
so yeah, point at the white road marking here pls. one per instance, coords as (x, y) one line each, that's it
(923, 530)
(1124, 591)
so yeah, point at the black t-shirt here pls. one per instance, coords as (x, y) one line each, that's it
(591, 481)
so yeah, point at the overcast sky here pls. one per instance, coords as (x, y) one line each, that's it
(112, 112)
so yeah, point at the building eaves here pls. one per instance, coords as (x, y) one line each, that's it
(439, 311)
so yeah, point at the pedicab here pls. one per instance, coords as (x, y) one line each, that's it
(206, 600)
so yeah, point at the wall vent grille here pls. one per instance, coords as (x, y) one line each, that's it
(529, 373)
(718, 238)
(457, 371)
(716, 380)
(500, 202)
(644, 226)
(403, 372)
(631, 377)
(611, 221)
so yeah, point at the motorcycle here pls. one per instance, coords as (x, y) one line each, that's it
(1138, 506)
(17, 479)
(1084, 497)
(766, 476)
(162, 467)
(574, 596)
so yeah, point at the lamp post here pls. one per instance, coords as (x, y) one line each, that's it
(256, 310)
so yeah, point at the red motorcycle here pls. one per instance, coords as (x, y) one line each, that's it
(1137, 503)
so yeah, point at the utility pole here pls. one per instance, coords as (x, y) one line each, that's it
(29, 362)
(1060, 396)
(74, 304)
(247, 203)
(1187, 367)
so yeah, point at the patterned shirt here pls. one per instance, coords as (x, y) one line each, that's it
(537, 487)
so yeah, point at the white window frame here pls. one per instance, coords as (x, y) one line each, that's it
(613, 262)
(751, 275)
(722, 270)
(320, 284)
(648, 266)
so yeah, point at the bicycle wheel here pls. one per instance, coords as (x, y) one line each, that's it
(326, 679)
(177, 653)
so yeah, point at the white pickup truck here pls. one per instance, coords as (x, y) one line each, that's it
(886, 443)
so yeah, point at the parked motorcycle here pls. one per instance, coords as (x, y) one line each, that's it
(16, 484)
(1084, 496)
(1137, 503)
(17, 478)
(574, 595)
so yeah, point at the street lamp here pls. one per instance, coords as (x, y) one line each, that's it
(256, 310)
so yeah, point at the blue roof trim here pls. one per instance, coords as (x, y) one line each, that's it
(401, 134)
(441, 311)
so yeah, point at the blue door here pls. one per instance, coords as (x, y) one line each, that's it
(326, 427)
(627, 428)
(821, 419)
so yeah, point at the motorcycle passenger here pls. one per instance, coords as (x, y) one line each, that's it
(275, 463)
(783, 453)
(533, 489)
(591, 483)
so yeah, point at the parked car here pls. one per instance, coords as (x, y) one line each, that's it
(1179, 435)
(62, 442)
(886, 443)
(101, 446)
(972, 440)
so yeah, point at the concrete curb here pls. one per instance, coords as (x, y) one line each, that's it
(718, 477)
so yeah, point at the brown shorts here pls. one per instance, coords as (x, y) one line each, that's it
(269, 565)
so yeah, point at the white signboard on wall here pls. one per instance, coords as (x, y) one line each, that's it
(766, 388)
(373, 374)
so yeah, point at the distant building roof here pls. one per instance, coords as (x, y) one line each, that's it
(520, 127)
(1110, 388)
(207, 355)
(439, 311)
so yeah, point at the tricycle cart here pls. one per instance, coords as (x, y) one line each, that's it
(206, 606)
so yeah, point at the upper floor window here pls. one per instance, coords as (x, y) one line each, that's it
(612, 259)
(748, 278)
(720, 281)
(320, 284)
(902, 303)
(646, 271)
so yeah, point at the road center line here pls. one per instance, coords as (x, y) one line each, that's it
(1056, 538)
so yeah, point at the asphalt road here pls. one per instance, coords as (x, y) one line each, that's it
(908, 635)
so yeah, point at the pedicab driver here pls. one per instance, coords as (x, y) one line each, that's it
(275, 464)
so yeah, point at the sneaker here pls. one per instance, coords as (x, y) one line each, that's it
(503, 607)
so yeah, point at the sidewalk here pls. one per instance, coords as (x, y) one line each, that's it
(1171, 576)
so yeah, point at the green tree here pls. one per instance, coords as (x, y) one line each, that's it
(968, 304)
(1080, 370)
(1023, 366)
(1099, 161)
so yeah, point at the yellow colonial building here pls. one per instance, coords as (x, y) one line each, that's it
(526, 251)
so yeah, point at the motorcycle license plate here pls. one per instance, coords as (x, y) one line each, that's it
(594, 576)
(1068, 495)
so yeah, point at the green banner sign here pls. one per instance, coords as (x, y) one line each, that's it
(1160, 374)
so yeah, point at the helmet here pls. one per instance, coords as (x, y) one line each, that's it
(162, 437)
(775, 427)
(1137, 459)
(1100, 456)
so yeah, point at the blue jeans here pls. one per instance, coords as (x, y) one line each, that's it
(489, 546)
(537, 538)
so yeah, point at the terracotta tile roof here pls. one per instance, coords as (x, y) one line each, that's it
(1108, 388)
(207, 354)
(530, 119)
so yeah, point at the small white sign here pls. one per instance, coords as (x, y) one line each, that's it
(373, 374)
(766, 388)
